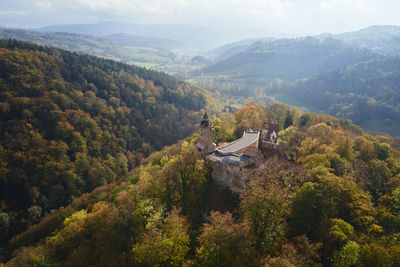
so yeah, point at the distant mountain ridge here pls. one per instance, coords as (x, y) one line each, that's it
(290, 58)
(384, 39)
(228, 50)
(94, 45)
(197, 37)
(354, 75)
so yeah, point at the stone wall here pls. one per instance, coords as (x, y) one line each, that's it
(206, 135)
(231, 177)
(236, 178)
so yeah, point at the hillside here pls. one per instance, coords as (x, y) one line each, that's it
(337, 205)
(225, 51)
(381, 39)
(289, 59)
(71, 123)
(97, 46)
(366, 93)
(140, 41)
(321, 74)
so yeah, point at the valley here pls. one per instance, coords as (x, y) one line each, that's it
(178, 145)
(265, 70)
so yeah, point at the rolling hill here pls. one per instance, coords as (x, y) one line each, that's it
(88, 44)
(337, 205)
(225, 51)
(366, 93)
(195, 37)
(71, 123)
(380, 38)
(289, 59)
(198, 37)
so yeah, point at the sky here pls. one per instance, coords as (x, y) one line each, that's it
(286, 16)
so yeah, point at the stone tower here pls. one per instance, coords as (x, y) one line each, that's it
(206, 144)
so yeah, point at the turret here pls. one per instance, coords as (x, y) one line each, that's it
(206, 144)
(206, 130)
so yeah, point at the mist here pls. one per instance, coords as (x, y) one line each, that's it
(285, 17)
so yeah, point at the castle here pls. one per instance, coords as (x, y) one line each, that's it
(233, 163)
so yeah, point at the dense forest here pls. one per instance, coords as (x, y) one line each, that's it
(289, 59)
(366, 93)
(338, 204)
(71, 123)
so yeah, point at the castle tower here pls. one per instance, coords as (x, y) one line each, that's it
(206, 144)
(206, 130)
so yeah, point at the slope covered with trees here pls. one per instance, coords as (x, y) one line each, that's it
(367, 93)
(142, 53)
(337, 205)
(382, 39)
(70, 123)
(289, 59)
(262, 69)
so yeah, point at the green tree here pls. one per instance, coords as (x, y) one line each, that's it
(266, 210)
(374, 255)
(305, 119)
(347, 256)
(288, 121)
(344, 148)
(224, 243)
(378, 175)
(396, 198)
(167, 246)
(382, 150)
(309, 208)
(326, 198)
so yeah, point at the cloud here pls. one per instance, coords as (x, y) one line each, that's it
(302, 16)
(43, 4)
(124, 7)
(344, 5)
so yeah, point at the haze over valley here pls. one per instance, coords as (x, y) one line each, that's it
(252, 69)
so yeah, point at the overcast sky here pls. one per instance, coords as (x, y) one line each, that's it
(288, 16)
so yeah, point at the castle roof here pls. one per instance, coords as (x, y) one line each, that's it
(230, 159)
(248, 138)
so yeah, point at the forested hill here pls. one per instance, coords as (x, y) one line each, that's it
(70, 123)
(290, 59)
(97, 46)
(337, 205)
(366, 93)
(380, 38)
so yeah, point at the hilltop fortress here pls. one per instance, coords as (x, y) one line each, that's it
(236, 163)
